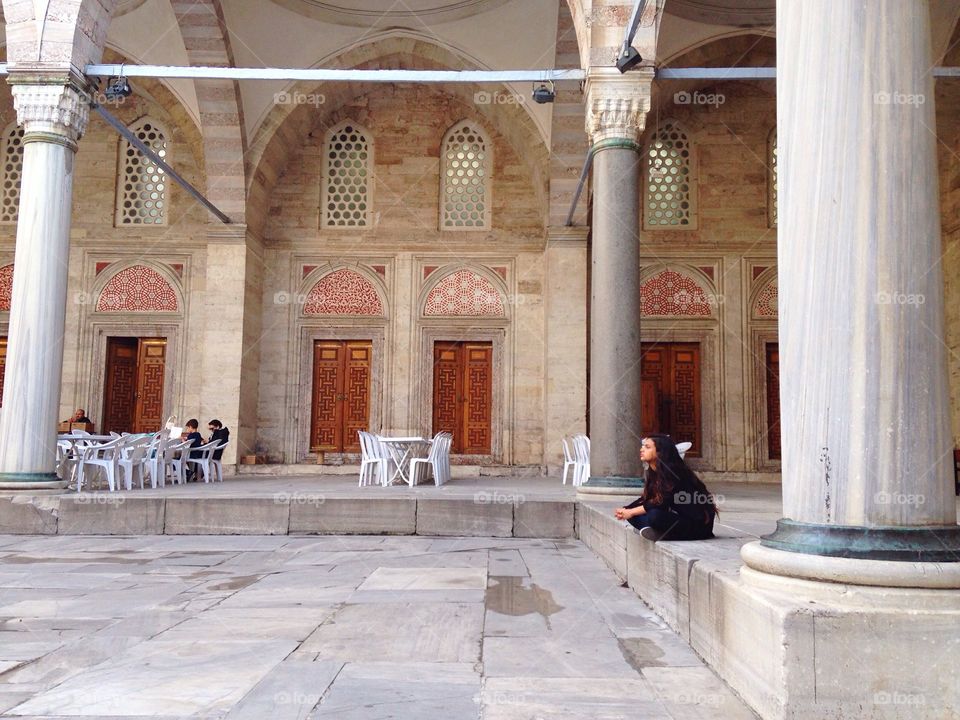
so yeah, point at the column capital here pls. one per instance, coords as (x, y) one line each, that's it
(617, 104)
(50, 110)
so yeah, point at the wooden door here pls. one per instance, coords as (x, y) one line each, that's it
(120, 385)
(151, 367)
(133, 386)
(3, 364)
(773, 400)
(463, 395)
(670, 392)
(341, 394)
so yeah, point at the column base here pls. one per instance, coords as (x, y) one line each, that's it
(612, 486)
(917, 544)
(31, 481)
(770, 562)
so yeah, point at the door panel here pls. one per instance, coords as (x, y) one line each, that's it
(670, 392)
(463, 395)
(341, 394)
(120, 385)
(773, 400)
(151, 364)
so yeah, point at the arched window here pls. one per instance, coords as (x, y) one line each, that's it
(12, 172)
(772, 178)
(670, 186)
(465, 163)
(348, 177)
(142, 189)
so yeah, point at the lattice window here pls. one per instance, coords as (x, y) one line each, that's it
(772, 178)
(670, 191)
(348, 177)
(343, 292)
(142, 190)
(669, 293)
(138, 289)
(465, 163)
(464, 292)
(12, 173)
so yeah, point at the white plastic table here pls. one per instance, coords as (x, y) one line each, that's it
(403, 450)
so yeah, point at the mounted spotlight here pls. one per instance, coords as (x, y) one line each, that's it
(117, 88)
(543, 94)
(628, 58)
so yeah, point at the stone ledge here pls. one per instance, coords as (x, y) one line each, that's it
(792, 649)
(226, 516)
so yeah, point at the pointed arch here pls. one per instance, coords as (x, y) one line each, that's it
(6, 286)
(342, 291)
(764, 301)
(466, 165)
(139, 287)
(141, 183)
(464, 292)
(676, 292)
(346, 198)
(670, 188)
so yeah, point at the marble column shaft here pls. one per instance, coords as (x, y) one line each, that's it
(54, 118)
(865, 417)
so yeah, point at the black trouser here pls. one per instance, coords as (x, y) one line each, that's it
(672, 525)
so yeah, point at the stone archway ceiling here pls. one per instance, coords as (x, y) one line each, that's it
(389, 12)
(126, 6)
(734, 13)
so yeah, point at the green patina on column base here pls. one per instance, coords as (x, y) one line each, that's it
(31, 481)
(939, 543)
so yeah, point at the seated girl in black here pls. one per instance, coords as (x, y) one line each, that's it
(675, 503)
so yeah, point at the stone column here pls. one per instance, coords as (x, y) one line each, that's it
(54, 117)
(867, 475)
(616, 110)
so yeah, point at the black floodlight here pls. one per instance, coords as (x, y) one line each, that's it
(117, 88)
(543, 94)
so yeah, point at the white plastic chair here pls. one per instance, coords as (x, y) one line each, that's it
(154, 460)
(683, 448)
(106, 456)
(217, 462)
(373, 468)
(133, 459)
(569, 461)
(205, 461)
(581, 452)
(174, 460)
(437, 460)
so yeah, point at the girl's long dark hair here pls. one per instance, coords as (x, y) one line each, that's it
(673, 477)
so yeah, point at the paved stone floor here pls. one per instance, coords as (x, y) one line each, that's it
(335, 627)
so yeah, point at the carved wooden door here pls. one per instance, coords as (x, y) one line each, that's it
(120, 385)
(341, 394)
(151, 367)
(463, 395)
(670, 392)
(773, 400)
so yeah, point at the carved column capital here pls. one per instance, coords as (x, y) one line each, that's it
(617, 105)
(51, 112)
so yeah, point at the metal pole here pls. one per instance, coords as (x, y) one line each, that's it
(161, 163)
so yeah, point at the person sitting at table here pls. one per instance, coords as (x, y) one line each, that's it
(191, 433)
(80, 416)
(218, 432)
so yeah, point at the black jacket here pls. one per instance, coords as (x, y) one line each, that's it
(221, 434)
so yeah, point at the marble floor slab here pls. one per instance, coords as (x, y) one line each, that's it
(351, 628)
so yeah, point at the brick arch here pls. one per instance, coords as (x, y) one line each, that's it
(41, 39)
(206, 39)
(671, 292)
(139, 288)
(343, 291)
(6, 286)
(765, 297)
(464, 292)
(283, 129)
